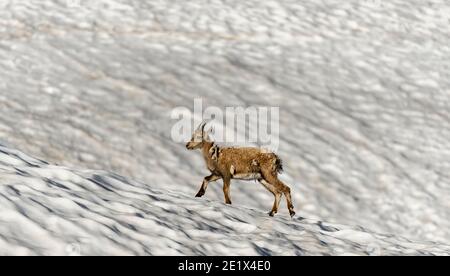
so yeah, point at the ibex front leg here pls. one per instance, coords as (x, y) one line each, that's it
(206, 181)
(226, 189)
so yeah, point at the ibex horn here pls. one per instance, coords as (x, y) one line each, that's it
(203, 125)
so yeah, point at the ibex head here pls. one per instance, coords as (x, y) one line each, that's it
(199, 137)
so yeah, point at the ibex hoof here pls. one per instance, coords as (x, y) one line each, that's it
(292, 213)
(272, 213)
(228, 202)
(200, 194)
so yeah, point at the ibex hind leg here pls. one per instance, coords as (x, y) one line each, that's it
(284, 189)
(287, 194)
(275, 193)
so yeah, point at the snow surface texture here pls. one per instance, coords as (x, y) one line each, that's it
(363, 88)
(53, 210)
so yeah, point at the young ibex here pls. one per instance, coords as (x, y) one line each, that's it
(242, 164)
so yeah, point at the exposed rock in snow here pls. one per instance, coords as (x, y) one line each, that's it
(52, 210)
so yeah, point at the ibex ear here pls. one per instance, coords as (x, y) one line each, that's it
(208, 134)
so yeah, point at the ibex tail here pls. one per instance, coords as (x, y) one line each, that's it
(278, 165)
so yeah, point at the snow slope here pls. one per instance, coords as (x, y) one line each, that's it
(363, 88)
(52, 210)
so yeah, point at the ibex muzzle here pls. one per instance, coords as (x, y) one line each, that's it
(242, 164)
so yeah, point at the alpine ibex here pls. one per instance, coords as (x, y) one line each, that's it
(240, 163)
